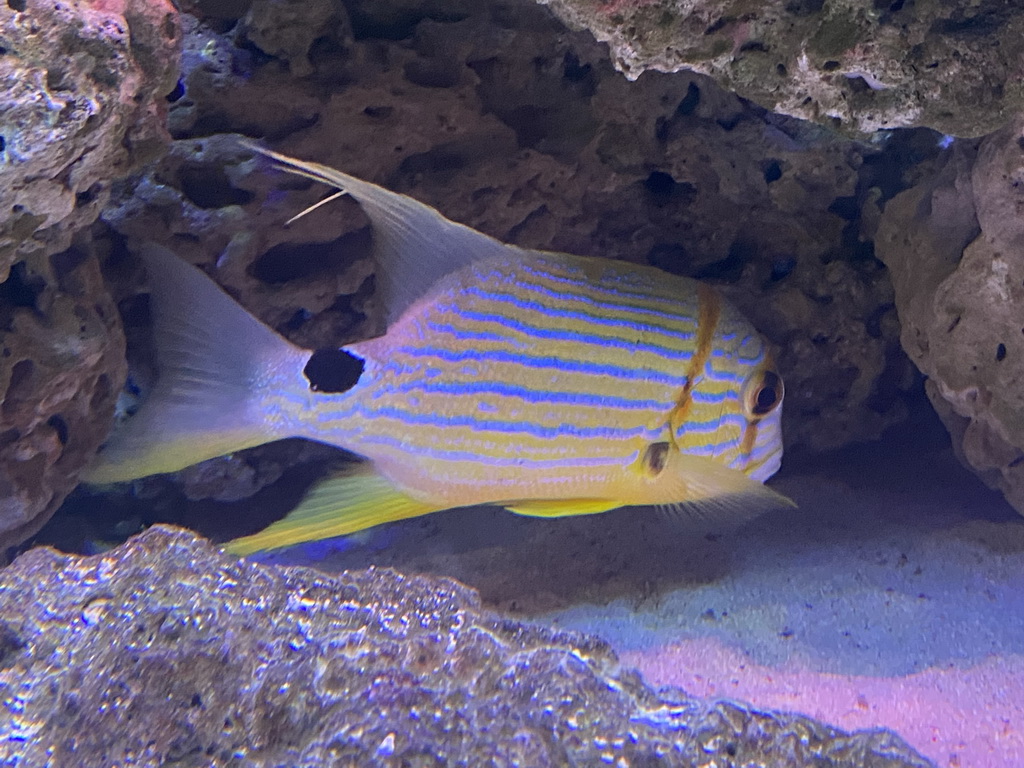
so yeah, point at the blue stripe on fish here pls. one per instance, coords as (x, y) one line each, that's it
(444, 454)
(527, 394)
(673, 304)
(584, 317)
(545, 361)
(557, 334)
(490, 425)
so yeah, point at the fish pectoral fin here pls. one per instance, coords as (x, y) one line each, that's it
(342, 504)
(561, 507)
(712, 492)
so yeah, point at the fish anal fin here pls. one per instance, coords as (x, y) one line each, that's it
(340, 505)
(561, 507)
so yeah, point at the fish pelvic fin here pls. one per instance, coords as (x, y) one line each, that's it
(345, 503)
(225, 380)
(561, 507)
(414, 245)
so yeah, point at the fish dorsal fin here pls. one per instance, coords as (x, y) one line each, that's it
(414, 245)
(561, 507)
(711, 492)
(345, 503)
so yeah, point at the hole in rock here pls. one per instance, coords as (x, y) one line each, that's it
(293, 261)
(60, 427)
(209, 187)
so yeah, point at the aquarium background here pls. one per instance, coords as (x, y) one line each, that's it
(847, 176)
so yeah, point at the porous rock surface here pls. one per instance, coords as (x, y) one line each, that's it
(165, 651)
(853, 65)
(954, 245)
(81, 89)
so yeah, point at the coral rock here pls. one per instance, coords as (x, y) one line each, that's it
(953, 245)
(82, 87)
(952, 66)
(167, 651)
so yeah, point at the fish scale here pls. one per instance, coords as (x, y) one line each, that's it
(548, 383)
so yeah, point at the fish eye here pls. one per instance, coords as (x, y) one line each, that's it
(764, 394)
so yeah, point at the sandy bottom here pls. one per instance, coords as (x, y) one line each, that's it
(893, 597)
(959, 717)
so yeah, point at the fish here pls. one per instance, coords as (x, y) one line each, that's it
(547, 383)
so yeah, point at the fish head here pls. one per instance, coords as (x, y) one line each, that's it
(733, 411)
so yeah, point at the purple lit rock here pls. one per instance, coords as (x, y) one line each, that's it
(167, 651)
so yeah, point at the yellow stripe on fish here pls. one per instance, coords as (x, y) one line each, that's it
(547, 383)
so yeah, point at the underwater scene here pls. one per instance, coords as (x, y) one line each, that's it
(416, 383)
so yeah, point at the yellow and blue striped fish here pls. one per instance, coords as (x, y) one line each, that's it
(547, 383)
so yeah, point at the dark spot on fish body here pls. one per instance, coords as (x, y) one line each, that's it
(1000, 353)
(333, 370)
(655, 458)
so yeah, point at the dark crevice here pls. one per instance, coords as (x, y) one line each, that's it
(209, 187)
(690, 101)
(729, 269)
(59, 426)
(294, 261)
(21, 289)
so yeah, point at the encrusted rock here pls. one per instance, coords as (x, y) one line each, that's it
(954, 246)
(856, 66)
(82, 86)
(81, 104)
(167, 651)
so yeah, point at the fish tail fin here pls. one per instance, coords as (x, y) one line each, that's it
(225, 380)
(345, 503)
